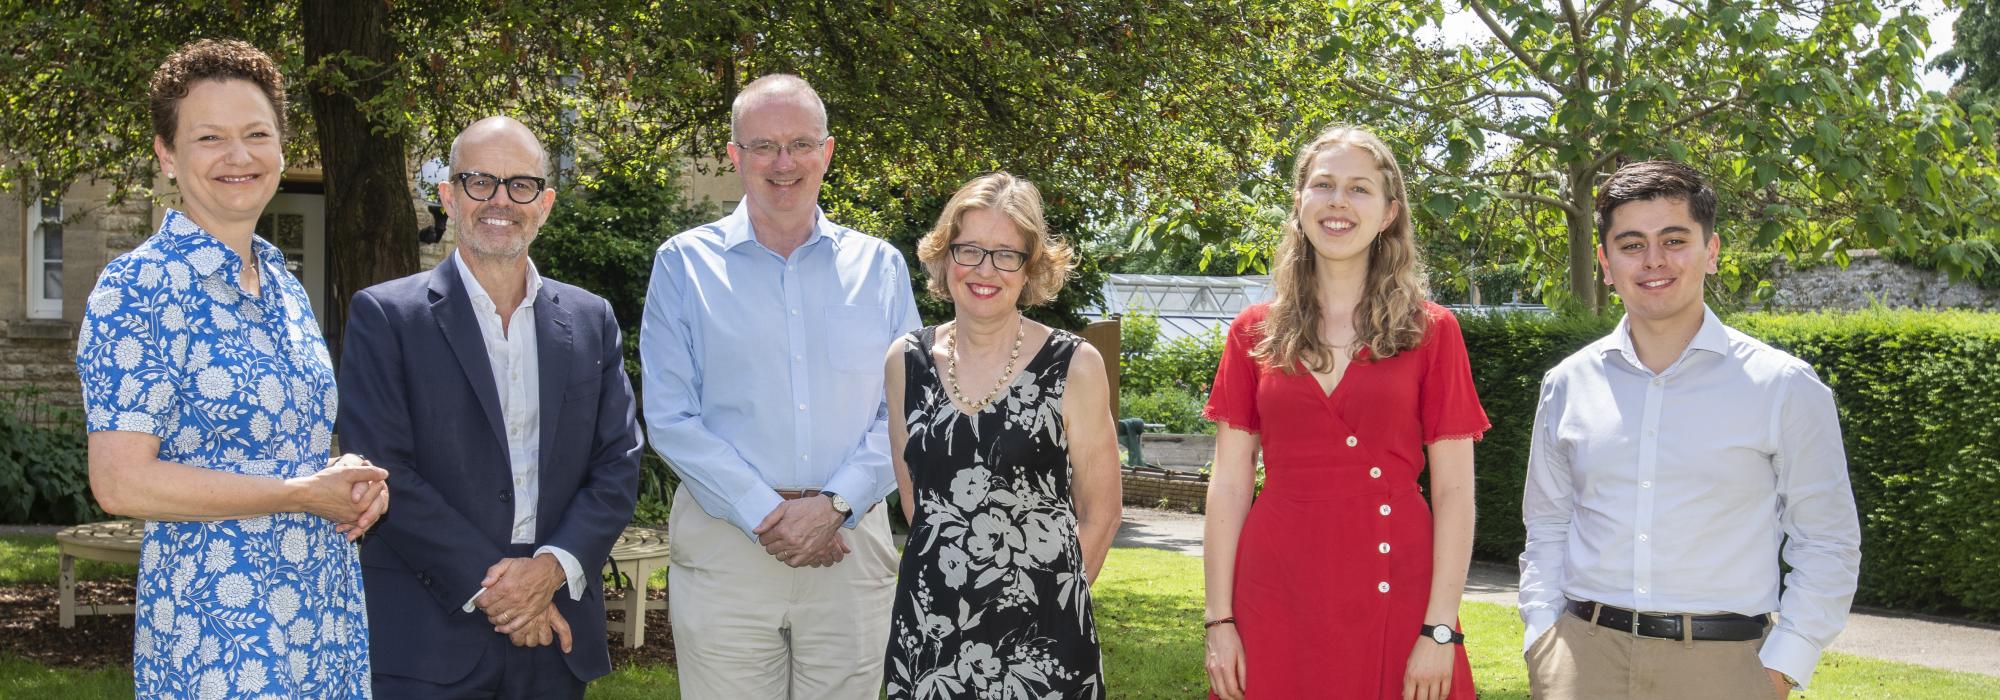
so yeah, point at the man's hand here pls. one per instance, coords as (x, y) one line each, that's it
(518, 589)
(547, 627)
(803, 532)
(1780, 688)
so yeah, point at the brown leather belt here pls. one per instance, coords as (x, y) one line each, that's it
(796, 494)
(1728, 627)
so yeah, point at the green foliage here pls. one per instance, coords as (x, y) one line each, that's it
(1186, 363)
(1918, 417)
(44, 476)
(1172, 406)
(602, 236)
(1975, 49)
(1138, 332)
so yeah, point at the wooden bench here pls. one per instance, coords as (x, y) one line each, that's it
(639, 552)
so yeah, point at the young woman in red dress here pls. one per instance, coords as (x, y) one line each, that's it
(1335, 583)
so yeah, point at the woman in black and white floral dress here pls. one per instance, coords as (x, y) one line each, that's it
(1009, 478)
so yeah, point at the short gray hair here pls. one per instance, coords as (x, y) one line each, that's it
(772, 86)
(541, 152)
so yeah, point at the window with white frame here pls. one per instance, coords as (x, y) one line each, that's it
(45, 256)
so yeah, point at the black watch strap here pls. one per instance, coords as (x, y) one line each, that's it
(1432, 632)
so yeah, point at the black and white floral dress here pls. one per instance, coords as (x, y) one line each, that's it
(991, 601)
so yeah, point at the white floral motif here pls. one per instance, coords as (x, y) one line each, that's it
(169, 346)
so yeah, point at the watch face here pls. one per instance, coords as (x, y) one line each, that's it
(1441, 633)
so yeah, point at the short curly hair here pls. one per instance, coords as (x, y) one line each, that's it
(210, 59)
(1050, 260)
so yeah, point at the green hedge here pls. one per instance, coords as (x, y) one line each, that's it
(1919, 415)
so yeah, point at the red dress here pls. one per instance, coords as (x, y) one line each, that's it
(1333, 569)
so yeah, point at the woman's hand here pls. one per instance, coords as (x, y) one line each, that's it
(1428, 674)
(330, 493)
(1225, 662)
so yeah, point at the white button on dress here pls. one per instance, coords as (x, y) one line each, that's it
(1352, 441)
(1385, 509)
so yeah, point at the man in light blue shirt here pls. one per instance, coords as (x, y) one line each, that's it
(763, 344)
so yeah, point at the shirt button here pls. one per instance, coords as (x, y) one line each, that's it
(1657, 380)
(802, 407)
(1351, 441)
(1374, 472)
(802, 455)
(1383, 586)
(1383, 548)
(1642, 590)
(1645, 484)
(798, 358)
(795, 312)
(1642, 537)
(1385, 509)
(1652, 433)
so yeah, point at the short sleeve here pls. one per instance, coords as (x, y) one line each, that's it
(1448, 401)
(124, 353)
(1232, 399)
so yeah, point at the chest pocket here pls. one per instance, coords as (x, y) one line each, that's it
(856, 338)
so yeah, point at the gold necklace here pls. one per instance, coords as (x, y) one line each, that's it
(999, 385)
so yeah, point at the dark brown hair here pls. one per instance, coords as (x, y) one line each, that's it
(1656, 179)
(210, 59)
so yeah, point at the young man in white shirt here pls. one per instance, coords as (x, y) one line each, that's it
(1672, 463)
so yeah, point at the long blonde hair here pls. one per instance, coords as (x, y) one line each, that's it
(1390, 317)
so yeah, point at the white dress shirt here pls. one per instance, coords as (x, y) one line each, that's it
(517, 376)
(1676, 492)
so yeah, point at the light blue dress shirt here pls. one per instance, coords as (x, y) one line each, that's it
(763, 372)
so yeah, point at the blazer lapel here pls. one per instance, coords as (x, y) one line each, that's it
(555, 352)
(451, 305)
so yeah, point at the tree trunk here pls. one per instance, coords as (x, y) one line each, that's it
(1583, 239)
(370, 222)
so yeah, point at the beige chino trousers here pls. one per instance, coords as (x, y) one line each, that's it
(747, 627)
(1577, 660)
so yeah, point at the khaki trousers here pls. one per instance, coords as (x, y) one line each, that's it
(1577, 660)
(747, 627)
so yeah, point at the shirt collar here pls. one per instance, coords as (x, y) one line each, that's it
(478, 292)
(736, 228)
(208, 254)
(1711, 337)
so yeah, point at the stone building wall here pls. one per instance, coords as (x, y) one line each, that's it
(1869, 279)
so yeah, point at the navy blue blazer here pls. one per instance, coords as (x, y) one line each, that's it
(417, 398)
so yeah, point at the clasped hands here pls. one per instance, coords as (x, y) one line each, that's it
(350, 491)
(803, 532)
(516, 599)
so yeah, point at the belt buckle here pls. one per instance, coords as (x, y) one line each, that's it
(1636, 615)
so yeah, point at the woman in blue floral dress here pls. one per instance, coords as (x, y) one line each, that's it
(210, 402)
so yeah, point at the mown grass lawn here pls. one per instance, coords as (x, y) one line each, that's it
(1148, 614)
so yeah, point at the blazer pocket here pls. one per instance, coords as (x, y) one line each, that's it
(586, 389)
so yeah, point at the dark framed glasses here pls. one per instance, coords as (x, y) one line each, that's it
(1004, 260)
(523, 189)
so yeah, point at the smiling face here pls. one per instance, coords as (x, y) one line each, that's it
(1343, 204)
(985, 289)
(498, 228)
(781, 185)
(1657, 257)
(226, 155)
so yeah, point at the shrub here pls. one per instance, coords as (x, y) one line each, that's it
(1186, 363)
(1177, 408)
(44, 473)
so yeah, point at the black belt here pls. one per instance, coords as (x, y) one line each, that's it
(1728, 627)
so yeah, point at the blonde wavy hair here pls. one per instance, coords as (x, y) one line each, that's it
(1050, 260)
(1390, 317)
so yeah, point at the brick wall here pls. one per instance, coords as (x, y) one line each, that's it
(1149, 488)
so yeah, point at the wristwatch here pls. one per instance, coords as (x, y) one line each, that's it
(1443, 634)
(839, 504)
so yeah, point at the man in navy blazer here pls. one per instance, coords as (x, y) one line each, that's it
(498, 402)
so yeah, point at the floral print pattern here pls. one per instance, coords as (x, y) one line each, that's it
(992, 601)
(170, 345)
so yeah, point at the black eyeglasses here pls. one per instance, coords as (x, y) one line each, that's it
(1003, 260)
(481, 187)
(767, 150)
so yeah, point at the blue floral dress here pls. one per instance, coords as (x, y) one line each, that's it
(265, 607)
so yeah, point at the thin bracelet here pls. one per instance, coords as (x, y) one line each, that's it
(1224, 621)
